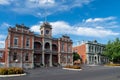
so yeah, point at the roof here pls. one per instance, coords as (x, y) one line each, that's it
(22, 26)
(46, 25)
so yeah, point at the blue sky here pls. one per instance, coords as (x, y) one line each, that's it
(80, 19)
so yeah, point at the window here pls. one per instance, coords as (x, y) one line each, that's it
(62, 46)
(15, 56)
(15, 41)
(27, 42)
(47, 31)
(69, 59)
(89, 48)
(26, 57)
(69, 48)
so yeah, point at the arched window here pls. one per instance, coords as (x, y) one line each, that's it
(37, 45)
(54, 47)
(47, 45)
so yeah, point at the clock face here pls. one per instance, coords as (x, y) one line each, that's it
(47, 31)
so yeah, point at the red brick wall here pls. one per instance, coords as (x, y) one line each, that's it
(55, 42)
(6, 51)
(2, 59)
(81, 50)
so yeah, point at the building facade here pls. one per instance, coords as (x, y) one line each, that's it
(91, 52)
(25, 49)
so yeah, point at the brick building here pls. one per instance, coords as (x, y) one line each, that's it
(2, 57)
(91, 52)
(25, 49)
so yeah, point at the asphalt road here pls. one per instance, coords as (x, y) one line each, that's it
(88, 73)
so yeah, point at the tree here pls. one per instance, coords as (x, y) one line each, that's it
(76, 56)
(112, 50)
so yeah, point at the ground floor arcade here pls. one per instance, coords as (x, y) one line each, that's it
(96, 59)
(50, 59)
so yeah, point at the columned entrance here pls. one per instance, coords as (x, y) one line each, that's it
(37, 54)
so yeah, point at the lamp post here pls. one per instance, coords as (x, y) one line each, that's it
(16, 62)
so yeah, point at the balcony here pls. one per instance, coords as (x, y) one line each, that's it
(36, 50)
(47, 50)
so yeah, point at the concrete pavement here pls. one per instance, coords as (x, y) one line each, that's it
(88, 73)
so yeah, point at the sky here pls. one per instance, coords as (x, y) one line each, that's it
(86, 20)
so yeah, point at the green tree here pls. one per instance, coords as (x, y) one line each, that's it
(112, 50)
(76, 56)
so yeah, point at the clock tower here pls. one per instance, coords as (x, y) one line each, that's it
(46, 30)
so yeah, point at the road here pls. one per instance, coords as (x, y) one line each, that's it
(88, 73)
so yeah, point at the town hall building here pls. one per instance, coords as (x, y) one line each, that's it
(25, 49)
(91, 52)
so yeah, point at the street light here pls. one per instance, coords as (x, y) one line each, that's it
(16, 62)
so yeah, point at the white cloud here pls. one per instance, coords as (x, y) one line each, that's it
(34, 7)
(3, 28)
(2, 44)
(3, 33)
(108, 22)
(2, 41)
(4, 24)
(39, 3)
(61, 27)
(94, 32)
(100, 19)
(35, 28)
(2, 37)
(4, 2)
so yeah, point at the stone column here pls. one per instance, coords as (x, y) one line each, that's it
(21, 58)
(43, 54)
(66, 59)
(43, 58)
(87, 59)
(59, 54)
(32, 56)
(8, 59)
(99, 59)
(59, 57)
(50, 60)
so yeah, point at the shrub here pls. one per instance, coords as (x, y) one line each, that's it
(13, 70)
(76, 67)
(73, 66)
(112, 64)
(3, 71)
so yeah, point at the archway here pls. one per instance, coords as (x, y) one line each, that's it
(37, 54)
(54, 47)
(47, 46)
